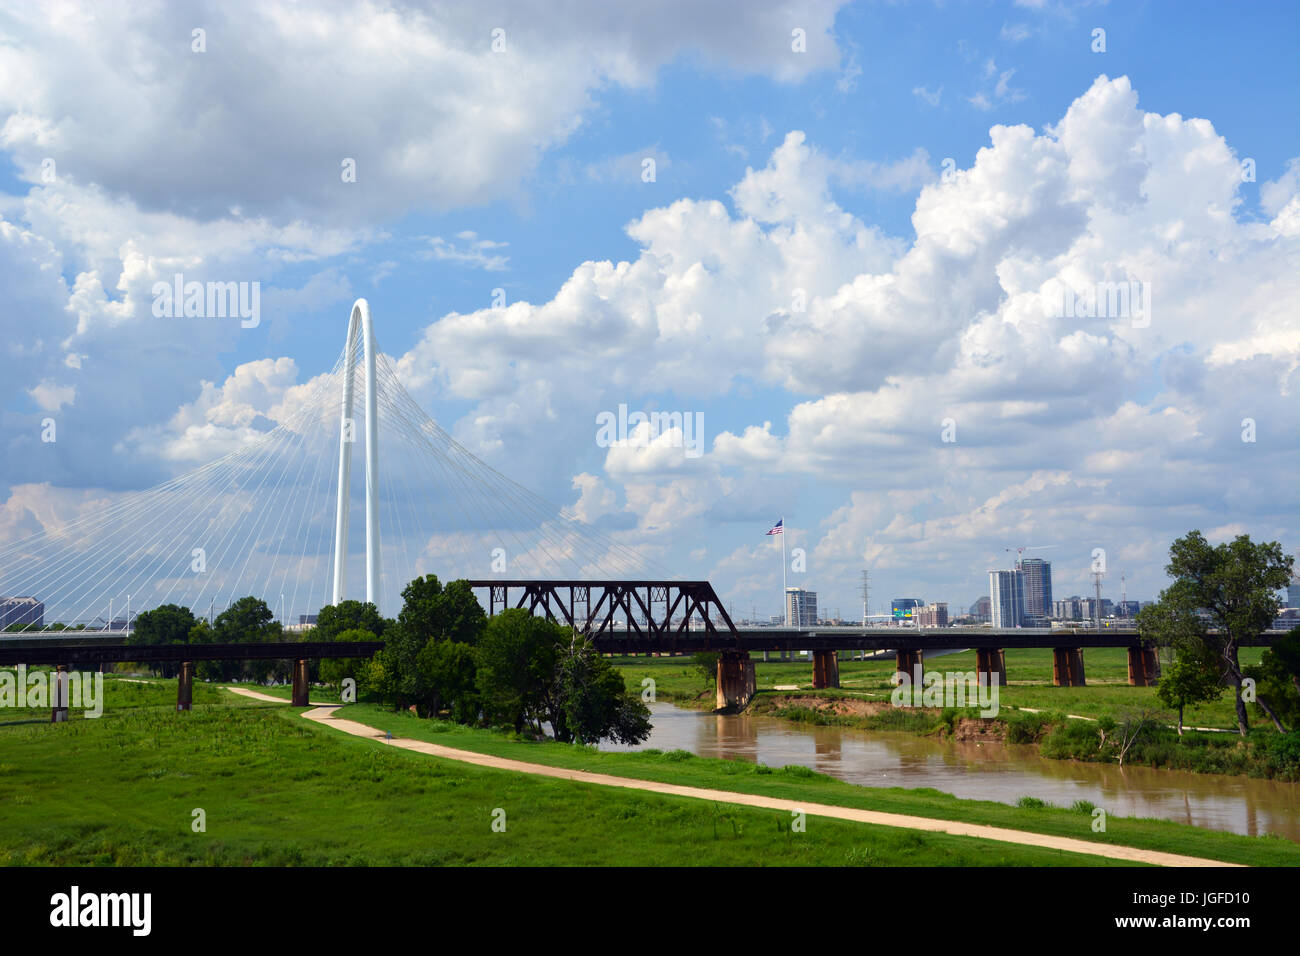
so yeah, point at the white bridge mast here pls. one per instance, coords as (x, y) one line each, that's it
(358, 324)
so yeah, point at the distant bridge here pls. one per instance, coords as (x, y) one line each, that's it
(660, 617)
(64, 654)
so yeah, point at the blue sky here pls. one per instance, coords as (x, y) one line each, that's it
(522, 168)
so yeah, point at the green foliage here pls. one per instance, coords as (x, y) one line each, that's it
(1026, 728)
(1194, 676)
(333, 620)
(430, 610)
(594, 700)
(1233, 586)
(247, 621)
(1277, 680)
(166, 624)
(334, 670)
(1032, 803)
(517, 655)
(706, 662)
(448, 672)
(1083, 806)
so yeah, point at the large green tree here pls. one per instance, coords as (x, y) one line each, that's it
(516, 657)
(431, 612)
(333, 619)
(594, 702)
(1230, 590)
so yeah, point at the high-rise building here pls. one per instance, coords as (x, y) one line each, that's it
(1068, 609)
(21, 611)
(1038, 586)
(1293, 594)
(1007, 597)
(982, 610)
(932, 615)
(800, 608)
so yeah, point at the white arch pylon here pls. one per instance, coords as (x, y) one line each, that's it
(358, 323)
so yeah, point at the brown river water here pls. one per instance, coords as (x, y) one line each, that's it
(982, 771)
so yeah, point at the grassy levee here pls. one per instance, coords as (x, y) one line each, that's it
(1029, 676)
(277, 790)
(800, 783)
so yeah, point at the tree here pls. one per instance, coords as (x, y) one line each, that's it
(1234, 587)
(430, 612)
(166, 624)
(246, 621)
(334, 670)
(449, 613)
(1277, 681)
(449, 676)
(594, 701)
(706, 662)
(516, 658)
(333, 619)
(1190, 679)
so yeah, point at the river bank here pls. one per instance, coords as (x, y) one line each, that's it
(1087, 724)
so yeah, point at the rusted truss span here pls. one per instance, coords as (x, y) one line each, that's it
(624, 612)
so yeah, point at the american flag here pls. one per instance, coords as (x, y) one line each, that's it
(777, 529)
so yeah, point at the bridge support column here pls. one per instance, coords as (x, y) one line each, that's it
(1067, 667)
(1143, 667)
(185, 686)
(60, 695)
(299, 683)
(826, 669)
(912, 664)
(736, 680)
(992, 662)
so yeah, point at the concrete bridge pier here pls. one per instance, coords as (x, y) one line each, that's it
(826, 669)
(736, 681)
(912, 664)
(1143, 667)
(299, 684)
(1067, 667)
(185, 686)
(60, 694)
(991, 663)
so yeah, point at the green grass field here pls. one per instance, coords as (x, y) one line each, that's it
(120, 790)
(1029, 682)
(277, 790)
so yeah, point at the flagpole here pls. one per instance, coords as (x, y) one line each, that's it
(785, 600)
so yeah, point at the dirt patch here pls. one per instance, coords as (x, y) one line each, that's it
(979, 730)
(837, 706)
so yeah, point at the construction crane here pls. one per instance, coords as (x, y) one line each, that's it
(1031, 547)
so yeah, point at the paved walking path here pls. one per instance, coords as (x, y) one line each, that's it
(326, 716)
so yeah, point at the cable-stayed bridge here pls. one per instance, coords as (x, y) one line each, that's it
(278, 517)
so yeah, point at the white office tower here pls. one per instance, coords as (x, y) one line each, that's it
(1007, 597)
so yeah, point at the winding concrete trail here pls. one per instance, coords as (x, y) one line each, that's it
(325, 715)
